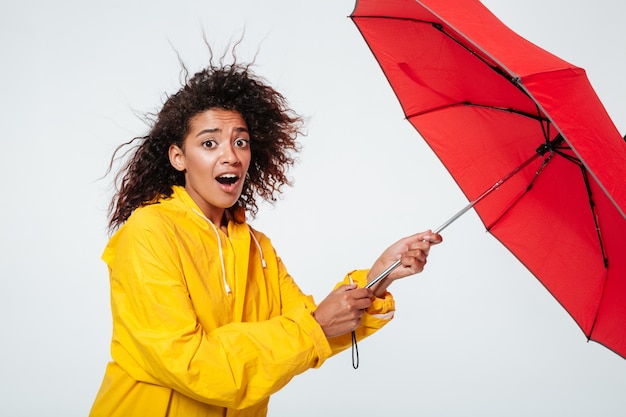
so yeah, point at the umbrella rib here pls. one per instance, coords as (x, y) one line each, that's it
(514, 79)
(555, 148)
(594, 214)
(483, 106)
(592, 204)
(519, 197)
(441, 28)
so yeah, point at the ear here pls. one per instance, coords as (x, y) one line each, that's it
(177, 157)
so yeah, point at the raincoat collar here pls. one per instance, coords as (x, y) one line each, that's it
(179, 193)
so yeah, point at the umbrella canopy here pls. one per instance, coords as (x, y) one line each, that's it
(495, 107)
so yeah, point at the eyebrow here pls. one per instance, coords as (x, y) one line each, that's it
(237, 129)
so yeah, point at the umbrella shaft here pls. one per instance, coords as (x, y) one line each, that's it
(461, 212)
(383, 274)
(487, 192)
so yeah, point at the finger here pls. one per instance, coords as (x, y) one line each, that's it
(345, 288)
(419, 253)
(427, 242)
(434, 238)
(428, 236)
(362, 304)
(425, 235)
(360, 293)
(423, 246)
(415, 262)
(355, 324)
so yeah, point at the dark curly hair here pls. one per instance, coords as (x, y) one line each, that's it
(148, 175)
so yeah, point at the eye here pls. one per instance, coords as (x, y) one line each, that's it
(209, 144)
(242, 143)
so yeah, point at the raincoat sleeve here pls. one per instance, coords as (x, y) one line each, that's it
(376, 316)
(158, 339)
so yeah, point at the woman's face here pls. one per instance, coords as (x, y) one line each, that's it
(215, 158)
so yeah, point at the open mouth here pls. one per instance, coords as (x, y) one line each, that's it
(227, 179)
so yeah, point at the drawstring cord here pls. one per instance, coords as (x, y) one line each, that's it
(219, 245)
(355, 351)
(258, 246)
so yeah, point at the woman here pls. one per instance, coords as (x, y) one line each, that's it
(206, 319)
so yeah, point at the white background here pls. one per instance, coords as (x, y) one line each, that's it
(474, 335)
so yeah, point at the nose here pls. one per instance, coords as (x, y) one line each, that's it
(229, 156)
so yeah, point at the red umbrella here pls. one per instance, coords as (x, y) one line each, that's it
(503, 114)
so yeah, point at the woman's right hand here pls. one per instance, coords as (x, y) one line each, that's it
(340, 312)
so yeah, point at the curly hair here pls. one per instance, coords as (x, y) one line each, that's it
(148, 175)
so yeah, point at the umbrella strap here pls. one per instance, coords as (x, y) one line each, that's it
(355, 346)
(355, 351)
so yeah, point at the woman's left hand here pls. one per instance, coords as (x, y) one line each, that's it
(412, 251)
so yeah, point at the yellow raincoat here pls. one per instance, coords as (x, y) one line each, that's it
(204, 331)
